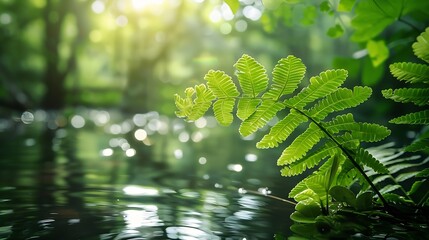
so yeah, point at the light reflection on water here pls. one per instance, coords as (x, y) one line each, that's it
(104, 177)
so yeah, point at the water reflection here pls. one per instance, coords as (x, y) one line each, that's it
(92, 174)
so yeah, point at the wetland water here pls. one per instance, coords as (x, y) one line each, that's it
(95, 174)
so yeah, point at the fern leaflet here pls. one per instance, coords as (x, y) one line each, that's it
(301, 145)
(251, 76)
(410, 72)
(320, 86)
(421, 117)
(287, 74)
(418, 96)
(281, 130)
(339, 100)
(421, 46)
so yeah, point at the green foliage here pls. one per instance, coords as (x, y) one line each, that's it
(328, 143)
(402, 168)
(234, 5)
(329, 140)
(413, 73)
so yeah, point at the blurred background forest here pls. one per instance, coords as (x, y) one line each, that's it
(135, 54)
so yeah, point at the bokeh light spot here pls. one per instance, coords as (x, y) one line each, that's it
(140, 134)
(98, 7)
(27, 117)
(77, 121)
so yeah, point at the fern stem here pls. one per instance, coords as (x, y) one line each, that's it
(271, 196)
(348, 154)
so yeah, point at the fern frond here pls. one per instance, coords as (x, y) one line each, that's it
(281, 130)
(320, 86)
(221, 84)
(264, 113)
(287, 74)
(339, 100)
(222, 109)
(341, 136)
(418, 96)
(421, 117)
(246, 107)
(301, 145)
(251, 76)
(410, 72)
(421, 47)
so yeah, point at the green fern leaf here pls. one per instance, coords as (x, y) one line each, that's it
(340, 123)
(339, 100)
(364, 157)
(418, 96)
(389, 188)
(404, 165)
(309, 161)
(307, 195)
(222, 109)
(423, 173)
(320, 86)
(264, 113)
(184, 105)
(287, 74)
(311, 186)
(421, 47)
(246, 107)
(299, 187)
(194, 109)
(202, 102)
(421, 117)
(348, 174)
(405, 176)
(419, 144)
(251, 76)
(330, 169)
(410, 72)
(301, 145)
(221, 84)
(316, 183)
(281, 130)
(370, 132)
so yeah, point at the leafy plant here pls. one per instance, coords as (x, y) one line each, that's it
(330, 141)
(333, 144)
(418, 75)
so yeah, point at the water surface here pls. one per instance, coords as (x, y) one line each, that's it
(94, 174)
